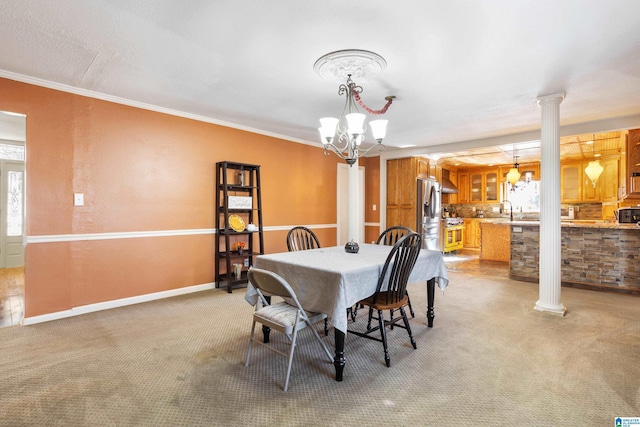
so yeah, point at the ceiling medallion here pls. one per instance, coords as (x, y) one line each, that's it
(361, 65)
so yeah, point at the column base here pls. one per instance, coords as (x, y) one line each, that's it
(554, 309)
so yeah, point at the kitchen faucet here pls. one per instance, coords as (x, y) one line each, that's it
(510, 209)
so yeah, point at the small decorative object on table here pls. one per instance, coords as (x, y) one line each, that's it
(240, 247)
(351, 247)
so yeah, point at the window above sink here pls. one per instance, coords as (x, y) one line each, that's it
(524, 197)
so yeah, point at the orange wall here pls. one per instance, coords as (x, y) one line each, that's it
(143, 171)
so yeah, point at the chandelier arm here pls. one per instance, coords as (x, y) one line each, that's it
(342, 141)
(335, 150)
(383, 110)
(347, 146)
(379, 146)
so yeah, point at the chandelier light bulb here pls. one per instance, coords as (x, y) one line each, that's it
(355, 123)
(378, 129)
(327, 129)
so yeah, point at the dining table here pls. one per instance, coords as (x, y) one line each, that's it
(330, 280)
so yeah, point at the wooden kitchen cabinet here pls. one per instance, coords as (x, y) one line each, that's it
(491, 186)
(484, 186)
(471, 233)
(475, 179)
(610, 185)
(463, 188)
(609, 180)
(577, 186)
(495, 241)
(402, 189)
(530, 168)
(633, 164)
(571, 177)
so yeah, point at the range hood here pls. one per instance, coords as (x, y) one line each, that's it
(448, 187)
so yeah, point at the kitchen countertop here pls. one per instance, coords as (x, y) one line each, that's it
(582, 223)
(569, 223)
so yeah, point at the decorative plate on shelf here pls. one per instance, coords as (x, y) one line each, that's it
(236, 223)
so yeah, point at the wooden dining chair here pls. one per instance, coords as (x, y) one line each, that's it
(287, 317)
(391, 291)
(301, 238)
(389, 237)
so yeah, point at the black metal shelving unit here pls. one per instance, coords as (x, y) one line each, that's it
(239, 181)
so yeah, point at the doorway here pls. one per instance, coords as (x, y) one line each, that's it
(12, 217)
(342, 203)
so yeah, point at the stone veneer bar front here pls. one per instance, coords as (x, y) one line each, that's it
(600, 256)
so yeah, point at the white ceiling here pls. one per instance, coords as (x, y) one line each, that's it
(461, 70)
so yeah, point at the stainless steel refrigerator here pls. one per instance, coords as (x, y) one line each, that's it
(429, 221)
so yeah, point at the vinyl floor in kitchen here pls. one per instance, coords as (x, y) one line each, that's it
(468, 260)
(11, 296)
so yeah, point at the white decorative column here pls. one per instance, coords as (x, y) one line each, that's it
(353, 195)
(550, 225)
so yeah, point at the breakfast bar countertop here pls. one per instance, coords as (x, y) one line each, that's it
(582, 224)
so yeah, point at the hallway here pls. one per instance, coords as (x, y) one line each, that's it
(11, 296)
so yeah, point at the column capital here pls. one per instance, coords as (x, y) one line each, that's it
(554, 98)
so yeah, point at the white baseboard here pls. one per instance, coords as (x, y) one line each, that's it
(91, 308)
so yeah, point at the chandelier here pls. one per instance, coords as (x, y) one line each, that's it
(344, 135)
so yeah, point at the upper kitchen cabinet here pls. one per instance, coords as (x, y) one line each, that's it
(632, 178)
(571, 177)
(463, 188)
(609, 180)
(610, 184)
(476, 186)
(577, 187)
(402, 189)
(483, 186)
(491, 186)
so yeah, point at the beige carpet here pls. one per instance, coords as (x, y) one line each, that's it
(489, 360)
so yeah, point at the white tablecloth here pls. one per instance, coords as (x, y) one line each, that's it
(328, 280)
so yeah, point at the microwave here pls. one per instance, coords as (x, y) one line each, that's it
(567, 212)
(628, 215)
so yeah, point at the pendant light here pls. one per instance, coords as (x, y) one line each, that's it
(593, 171)
(513, 176)
(594, 168)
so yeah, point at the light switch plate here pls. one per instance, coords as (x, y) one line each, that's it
(78, 199)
